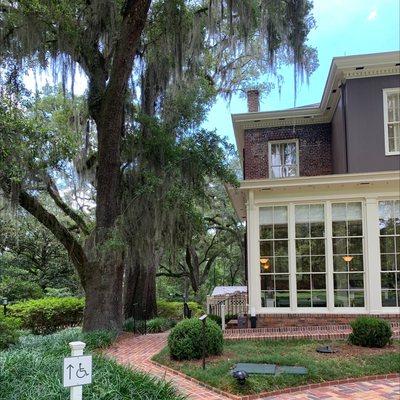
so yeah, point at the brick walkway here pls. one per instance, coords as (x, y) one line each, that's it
(373, 390)
(136, 351)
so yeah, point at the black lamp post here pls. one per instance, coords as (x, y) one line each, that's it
(203, 320)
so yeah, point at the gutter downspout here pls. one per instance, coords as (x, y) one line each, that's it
(344, 102)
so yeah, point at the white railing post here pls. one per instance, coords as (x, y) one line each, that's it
(76, 350)
(223, 316)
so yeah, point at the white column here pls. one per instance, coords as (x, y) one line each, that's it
(292, 257)
(329, 257)
(76, 350)
(253, 247)
(372, 257)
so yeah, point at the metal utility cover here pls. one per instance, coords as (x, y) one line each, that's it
(291, 370)
(251, 368)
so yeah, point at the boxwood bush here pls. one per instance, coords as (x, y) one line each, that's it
(47, 315)
(9, 331)
(370, 332)
(185, 341)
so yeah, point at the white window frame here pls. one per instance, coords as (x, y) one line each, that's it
(330, 293)
(386, 92)
(272, 142)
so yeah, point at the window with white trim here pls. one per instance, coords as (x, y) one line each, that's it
(310, 255)
(389, 231)
(391, 108)
(283, 158)
(274, 256)
(347, 244)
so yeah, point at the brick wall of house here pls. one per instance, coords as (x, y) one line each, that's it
(304, 320)
(314, 148)
(309, 320)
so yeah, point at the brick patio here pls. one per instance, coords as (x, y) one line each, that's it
(136, 352)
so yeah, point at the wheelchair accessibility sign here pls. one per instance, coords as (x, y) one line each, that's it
(77, 371)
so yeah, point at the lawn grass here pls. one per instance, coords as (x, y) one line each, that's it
(32, 370)
(351, 361)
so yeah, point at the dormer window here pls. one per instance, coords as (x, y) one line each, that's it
(283, 158)
(391, 110)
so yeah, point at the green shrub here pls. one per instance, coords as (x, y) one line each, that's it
(48, 315)
(9, 331)
(174, 309)
(31, 371)
(160, 324)
(186, 339)
(154, 325)
(215, 318)
(129, 325)
(370, 332)
(132, 325)
(58, 292)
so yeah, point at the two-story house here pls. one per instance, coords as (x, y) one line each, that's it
(320, 197)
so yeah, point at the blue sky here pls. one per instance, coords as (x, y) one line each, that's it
(344, 27)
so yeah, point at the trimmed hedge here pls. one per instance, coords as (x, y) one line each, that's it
(9, 331)
(370, 332)
(174, 309)
(49, 314)
(185, 341)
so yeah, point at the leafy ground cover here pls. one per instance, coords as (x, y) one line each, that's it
(349, 361)
(31, 370)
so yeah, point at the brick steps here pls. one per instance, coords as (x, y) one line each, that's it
(322, 332)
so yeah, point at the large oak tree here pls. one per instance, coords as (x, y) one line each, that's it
(122, 46)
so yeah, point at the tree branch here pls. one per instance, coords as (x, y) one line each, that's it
(49, 220)
(169, 273)
(55, 195)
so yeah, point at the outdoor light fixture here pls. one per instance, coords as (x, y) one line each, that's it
(240, 376)
(347, 258)
(203, 319)
(264, 263)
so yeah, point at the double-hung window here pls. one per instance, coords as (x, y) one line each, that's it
(389, 232)
(283, 159)
(391, 115)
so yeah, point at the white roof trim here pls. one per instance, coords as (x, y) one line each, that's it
(385, 176)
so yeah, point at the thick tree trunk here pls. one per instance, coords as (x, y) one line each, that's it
(103, 290)
(105, 275)
(140, 289)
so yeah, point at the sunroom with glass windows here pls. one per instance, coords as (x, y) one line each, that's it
(324, 244)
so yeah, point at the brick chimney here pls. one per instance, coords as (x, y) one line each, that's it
(253, 100)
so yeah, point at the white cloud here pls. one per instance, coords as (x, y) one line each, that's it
(372, 15)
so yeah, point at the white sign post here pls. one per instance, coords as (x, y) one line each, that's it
(77, 370)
